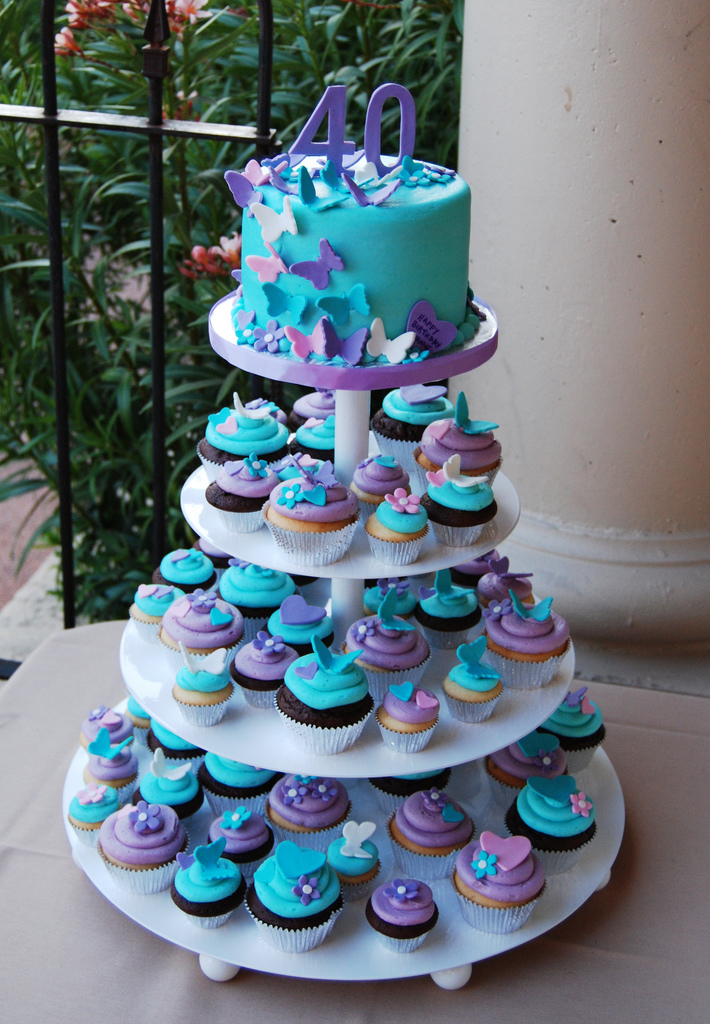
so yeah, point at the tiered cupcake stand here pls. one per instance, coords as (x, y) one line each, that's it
(353, 952)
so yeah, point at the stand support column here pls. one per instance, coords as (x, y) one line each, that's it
(352, 424)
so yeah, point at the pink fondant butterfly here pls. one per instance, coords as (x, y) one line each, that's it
(303, 344)
(267, 268)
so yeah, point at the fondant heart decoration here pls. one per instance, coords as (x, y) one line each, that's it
(228, 427)
(220, 618)
(425, 592)
(297, 612)
(439, 428)
(111, 718)
(244, 317)
(185, 860)
(499, 565)
(418, 394)
(426, 700)
(294, 861)
(510, 852)
(587, 708)
(534, 742)
(147, 589)
(181, 607)
(450, 814)
(557, 791)
(403, 691)
(306, 671)
(432, 334)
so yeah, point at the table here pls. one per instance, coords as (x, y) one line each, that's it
(637, 951)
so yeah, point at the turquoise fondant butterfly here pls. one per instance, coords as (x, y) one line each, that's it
(208, 857)
(540, 613)
(278, 303)
(330, 662)
(386, 612)
(101, 746)
(338, 307)
(307, 193)
(470, 426)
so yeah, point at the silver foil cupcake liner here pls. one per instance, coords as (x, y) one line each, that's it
(406, 742)
(500, 794)
(316, 549)
(290, 940)
(495, 920)
(211, 468)
(316, 740)
(556, 862)
(471, 712)
(388, 802)
(220, 804)
(428, 867)
(457, 536)
(263, 699)
(391, 552)
(209, 922)
(444, 641)
(317, 839)
(241, 522)
(175, 657)
(86, 836)
(402, 945)
(401, 451)
(141, 735)
(147, 631)
(523, 675)
(579, 760)
(145, 882)
(354, 891)
(252, 627)
(379, 680)
(203, 714)
(367, 508)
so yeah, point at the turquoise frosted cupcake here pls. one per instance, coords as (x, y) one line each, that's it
(173, 785)
(173, 746)
(207, 887)
(298, 623)
(577, 724)
(231, 784)
(557, 817)
(150, 602)
(447, 613)
(458, 506)
(140, 718)
(90, 807)
(471, 689)
(356, 860)
(256, 591)
(316, 438)
(406, 412)
(187, 569)
(238, 432)
(405, 602)
(202, 687)
(396, 531)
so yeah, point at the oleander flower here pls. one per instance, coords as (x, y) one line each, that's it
(403, 502)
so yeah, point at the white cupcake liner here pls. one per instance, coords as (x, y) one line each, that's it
(457, 536)
(556, 862)
(140, 735)
(175, 657)
(388, 802)
(471, 711)
(444, 641)
(379, 681)
(209, 922)
(494, 920)
(523, 675)
(427, 867)
(391, 552)
(500, 793)
(86, 836)
(317, 548)
(145, 882)
(240, 522)
(406, 742)
(316, 839)
(401, 451)
(579, 760)
(220, 804)
(316, 740)
(300, 940)
(354, 891)
(147, 631)
(260, 698)
(203, 714)
(252, 625)
(367, 508)
(402, 945)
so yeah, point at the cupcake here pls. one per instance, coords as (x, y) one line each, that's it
(187, 569)
(207, 887)
(150, 602)
(218, 558)
(139, 847)
(308, 808)
(355, 860)
(396, 530)
(248, 839)
(259, 668)
(458, 506)
(557, 818)
(89, 808)
(140, 719)
(427, 832)
(173, 785)
(498, 882)
(118, 726)
(446, 613)
(577, 724)
(471, 689)
(318, 404)
(203, 623)
(473, 440)
(288, 468)
(393, 790)
(312, 519)
(374, 477)
(299, 622)
(405, 601)
(114, 766)
(230, 784)
(173, 746)
(538, 753)
(324, 701)
(239, 491)
(315, 438)
(467, 574)
(390, 649)
(399, 425)
(202, 687)
(407, 717)
(496, 584)
(235, 433)
(295, 899)
(402, 912)
(256, 591)
(526, 645)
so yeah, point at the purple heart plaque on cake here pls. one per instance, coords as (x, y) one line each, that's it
(432, 333)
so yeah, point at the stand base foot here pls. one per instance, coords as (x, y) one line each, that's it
(455, 977)
(603, 882)
(217, 970)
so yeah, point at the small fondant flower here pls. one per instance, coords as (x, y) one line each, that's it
(146, 817)
(268, 339)
(412, 173)
(290, 495)
(294, 792)
(367, 628)
(236, 818)
(239, 563)
(416, 355)
(435, 801)
(255, 465)
(98, 713)
(403, 502)
(401, 890)
(366, 462)
(546, 761)
(325, 789)
(202, 601)
(93, 794)
(496, 609)
(270, 644)
(485, 863)
(581, 804)
(306, 890)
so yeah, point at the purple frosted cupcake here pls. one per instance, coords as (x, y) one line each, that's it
(114, 766)
(496, 584)
(402, 912)
(473, 440)
(498, 883)
(407, 717)
(467, 574)
(308, 808)
(318, 404)
(139, 847)
(118, 726)
(526, 645)
(239, 491)
(374, 477)
(427, 832)
(203, 623)
(399, 425)
(259, 668)
(248, 838)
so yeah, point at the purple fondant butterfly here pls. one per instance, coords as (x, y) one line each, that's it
(242, 189)
(374, 198)
(350, 348)
(318, 271)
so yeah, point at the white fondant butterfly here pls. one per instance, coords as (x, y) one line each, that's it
(274, 224)
(394, 349)
(249, 414)
(159, 768)
(213, 663)
(452, 472)
(354, 836)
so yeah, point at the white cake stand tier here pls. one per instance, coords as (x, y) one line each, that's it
(256, 736)
(353, 952)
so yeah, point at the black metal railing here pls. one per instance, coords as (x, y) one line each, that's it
(155, 69)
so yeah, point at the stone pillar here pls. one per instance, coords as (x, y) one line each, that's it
(585, 138)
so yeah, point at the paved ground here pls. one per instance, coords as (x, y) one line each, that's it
(17, 524)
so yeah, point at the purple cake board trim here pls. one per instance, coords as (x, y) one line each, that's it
(473, 353)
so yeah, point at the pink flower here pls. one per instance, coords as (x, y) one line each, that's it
(189, 10)
(231, 250)
(82, 13)
(403, 502)
(65, 44)
(581, 804)
(93, 794)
